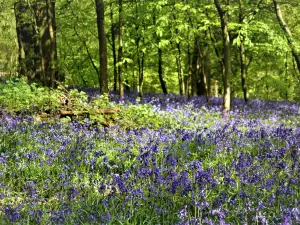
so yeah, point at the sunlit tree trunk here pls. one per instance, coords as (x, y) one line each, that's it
(226, 57)
(194, 69)
(141, 75)
(205, 72)
(113, 40)
(141, 71)
(180, 71)
(189, 72)
(120, 52)
(103, 80)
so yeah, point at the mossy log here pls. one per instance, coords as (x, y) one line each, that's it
(65, 113)
(86, 114)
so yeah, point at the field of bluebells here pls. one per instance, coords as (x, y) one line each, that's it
(196, 168)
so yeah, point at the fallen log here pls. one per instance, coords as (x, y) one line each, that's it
(86, 114)
(78, 113)
(65, 113)
(108, 111)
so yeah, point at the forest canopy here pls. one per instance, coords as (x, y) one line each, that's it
(233, 48)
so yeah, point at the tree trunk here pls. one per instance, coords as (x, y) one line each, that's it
(202, 70)
(180, 71)
(226, 57)
(160, 72)
(141, 76)
(140, 55)
(194, 77)
(205, 71)
(179, 63)
(28, 43)
(243, 71)
(160, 61)
(120, 52)
(243, 56)
(287, 33)
(45, 21)
(113, 37)
(103, 80)
(188, 78)
(215, 88)
(141, 71)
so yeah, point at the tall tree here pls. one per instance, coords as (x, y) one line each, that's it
(44, 11)
(226, 56)
(242, 54)
(113, 45)
(36, 31)
(194, 74)
(160, 59)
(120, 51)
(28, 43)
(139, 54)
(204, 72)
(103, 82)
(181, 83)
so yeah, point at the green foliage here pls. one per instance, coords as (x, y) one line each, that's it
(164, 24)
(142, 115)
(78, 100)
(17, 96)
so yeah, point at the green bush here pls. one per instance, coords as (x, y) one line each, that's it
(17, 96)
(142, 115)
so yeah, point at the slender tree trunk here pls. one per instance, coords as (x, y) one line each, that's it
(140, 55)
(103, 80)
(160, 72)
(180, 71)
(160, 61)
(179, 63)
(54, 64)
(141, 72)
(287, 33)
(243, 56)
(120, 52)
(188, 78)
(139, 65)
(215, 88)
(203, 68)
(141, 77)
(218, 54)
(243, 70)
(226, 57)
(205, 73)
(194, 79)
(113, 39)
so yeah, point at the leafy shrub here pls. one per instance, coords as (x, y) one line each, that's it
(142, 115)
(17, 96)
